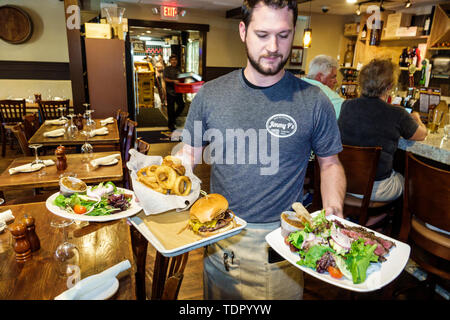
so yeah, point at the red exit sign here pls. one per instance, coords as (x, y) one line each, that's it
(169, 12)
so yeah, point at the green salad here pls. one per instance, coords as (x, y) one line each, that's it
(100, 200)
(342, 251)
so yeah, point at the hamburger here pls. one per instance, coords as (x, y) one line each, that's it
(210, 215)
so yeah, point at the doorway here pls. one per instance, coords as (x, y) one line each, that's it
(151, 43)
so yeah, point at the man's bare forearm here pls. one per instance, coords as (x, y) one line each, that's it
(332, 185)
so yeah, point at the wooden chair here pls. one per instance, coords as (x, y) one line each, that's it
(30, 124)
(19, 132)
(167, 272)
(48, 109)
(426, 200)
(360, 165)
(142, 146)
(11, 113)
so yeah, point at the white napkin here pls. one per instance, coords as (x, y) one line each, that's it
(93, 282)
(107, 121)
(104, 160)
(154, 202)
(52, 133)
(100, 131)
(6, 216)
(29, 168)
(55, 122)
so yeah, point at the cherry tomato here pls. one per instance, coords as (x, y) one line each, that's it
(79, 209)
(335, 272)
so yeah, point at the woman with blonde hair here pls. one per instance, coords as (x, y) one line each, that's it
(369, 121)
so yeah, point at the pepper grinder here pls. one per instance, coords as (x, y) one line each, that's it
(21, 245)
(31, 235)
(61, 160)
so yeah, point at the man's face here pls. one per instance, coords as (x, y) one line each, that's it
(268, 38)
(329, 80)
(173, 62)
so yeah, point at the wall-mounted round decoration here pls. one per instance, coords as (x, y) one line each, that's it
(15, 25)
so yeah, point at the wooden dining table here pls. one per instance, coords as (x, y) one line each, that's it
(100, 245)
(111, 138)
(75, 166)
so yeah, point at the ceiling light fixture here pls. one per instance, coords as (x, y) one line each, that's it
(307, 33)
(351, 1)
(408, 4)
(358, 11)
(381, 6)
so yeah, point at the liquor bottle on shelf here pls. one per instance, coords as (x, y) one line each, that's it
(348, 57)
(375, 35)
(364, 32)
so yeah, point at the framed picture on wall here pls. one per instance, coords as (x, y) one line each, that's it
(139, 46)
(296, 55)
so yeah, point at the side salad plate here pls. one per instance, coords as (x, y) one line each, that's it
(342, 253)
(103, 202)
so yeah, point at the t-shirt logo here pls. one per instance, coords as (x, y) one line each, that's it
(281, 125)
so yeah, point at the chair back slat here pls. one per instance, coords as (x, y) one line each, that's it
(12, 111)
(428, 192)
(48, 109)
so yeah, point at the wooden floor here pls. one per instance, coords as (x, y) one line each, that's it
(192, 285)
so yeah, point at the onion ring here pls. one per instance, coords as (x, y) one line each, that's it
(180, 169)
(166, 176)
(182, 186)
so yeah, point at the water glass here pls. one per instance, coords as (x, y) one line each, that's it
(72, 130)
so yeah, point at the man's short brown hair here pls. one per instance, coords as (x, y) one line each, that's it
(377, 76)
(249, 5)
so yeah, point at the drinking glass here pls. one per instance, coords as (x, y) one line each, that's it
(89, 121)
(447, 132)
(61, 111)
(72, 130)
(5, 237)
(67, 255)
(86, 149)
(434, 119)
(36, 161)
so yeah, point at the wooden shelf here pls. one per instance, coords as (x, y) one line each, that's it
(438, 48)
(405, 38)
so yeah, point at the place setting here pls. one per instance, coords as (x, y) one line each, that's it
(33, 166)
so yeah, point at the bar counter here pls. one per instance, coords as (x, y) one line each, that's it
(433, 147)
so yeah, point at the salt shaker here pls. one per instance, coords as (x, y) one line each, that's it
(21, 245)
(61, 160)
(31, 235)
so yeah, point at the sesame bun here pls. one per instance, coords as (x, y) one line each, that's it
(208, 207)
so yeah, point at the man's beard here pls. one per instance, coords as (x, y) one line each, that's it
(265, 71)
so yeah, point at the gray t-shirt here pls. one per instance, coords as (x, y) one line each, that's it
(258, 141)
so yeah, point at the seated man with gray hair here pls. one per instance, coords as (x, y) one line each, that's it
(322, 73)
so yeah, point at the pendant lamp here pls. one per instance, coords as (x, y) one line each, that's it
(307, 33)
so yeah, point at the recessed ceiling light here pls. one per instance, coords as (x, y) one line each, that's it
(351, 1)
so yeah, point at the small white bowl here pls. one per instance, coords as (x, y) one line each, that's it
(66, 190)
(290, 223)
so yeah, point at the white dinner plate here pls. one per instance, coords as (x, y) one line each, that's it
(132, 210)
(378, 274)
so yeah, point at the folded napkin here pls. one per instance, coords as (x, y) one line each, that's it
(100, 131)
(107, 121)
(94, 282)
(6, 216)
(55, 122)
(30, 168)
(54, 132)
(104, 160)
